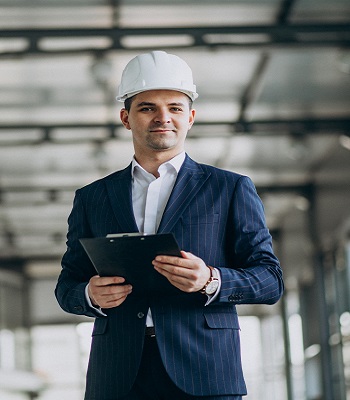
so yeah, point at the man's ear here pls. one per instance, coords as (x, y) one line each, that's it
(124, 117)
(191, 118)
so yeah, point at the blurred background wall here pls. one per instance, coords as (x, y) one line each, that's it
(274, 83)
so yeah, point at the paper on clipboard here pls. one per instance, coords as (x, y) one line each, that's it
(131, 256)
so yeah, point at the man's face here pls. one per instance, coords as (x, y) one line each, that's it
(159, 121)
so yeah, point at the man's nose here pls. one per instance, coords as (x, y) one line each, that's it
(162, 116)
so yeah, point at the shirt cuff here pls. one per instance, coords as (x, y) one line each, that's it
(87, 297)
(212, 297)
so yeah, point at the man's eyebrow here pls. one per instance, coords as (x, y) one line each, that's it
(150, 104)
(145, 103)
(177, 104)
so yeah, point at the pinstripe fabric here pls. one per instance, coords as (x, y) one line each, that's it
(214, 214)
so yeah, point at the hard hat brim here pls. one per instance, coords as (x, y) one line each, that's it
(190, 94)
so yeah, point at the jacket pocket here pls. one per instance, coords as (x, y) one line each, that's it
(227, 320)
(100, 326)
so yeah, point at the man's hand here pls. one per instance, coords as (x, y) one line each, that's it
(108, 292)
(188, 274)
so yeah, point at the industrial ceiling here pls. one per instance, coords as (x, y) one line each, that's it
(273, 79)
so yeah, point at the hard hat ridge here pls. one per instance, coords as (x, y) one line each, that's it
(156, 70)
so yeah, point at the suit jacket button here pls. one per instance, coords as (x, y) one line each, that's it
(78, 308)
(231, 298)
(140, 314)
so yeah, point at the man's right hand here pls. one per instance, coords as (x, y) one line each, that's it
(108, 292)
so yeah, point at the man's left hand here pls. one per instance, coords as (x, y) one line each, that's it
(188, 273)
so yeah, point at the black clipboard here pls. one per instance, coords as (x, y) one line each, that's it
(131, 257)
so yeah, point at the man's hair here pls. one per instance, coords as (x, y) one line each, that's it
(129, 100)
(127, 103)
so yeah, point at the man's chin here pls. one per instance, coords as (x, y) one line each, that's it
(162, 145)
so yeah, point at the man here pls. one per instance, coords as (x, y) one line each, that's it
(183, 346)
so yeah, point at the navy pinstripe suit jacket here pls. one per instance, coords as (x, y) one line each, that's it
(214, 214)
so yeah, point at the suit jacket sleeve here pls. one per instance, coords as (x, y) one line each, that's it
(256, 276)
(77, 268)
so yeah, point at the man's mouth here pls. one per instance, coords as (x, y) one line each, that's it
(161, 130)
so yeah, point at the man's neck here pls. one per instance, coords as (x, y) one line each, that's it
(152, 163)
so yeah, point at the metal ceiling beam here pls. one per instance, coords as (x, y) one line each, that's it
(272, 127)
(325, 34)
(285, 11)
(251, 89)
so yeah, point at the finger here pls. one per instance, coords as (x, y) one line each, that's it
(187, 255)
(112, 290)
(114, 298)
(107, 280)
(181, 282)
(109, 300)
(179, 276)
(114, 303)
(168, 270)
(169, 263)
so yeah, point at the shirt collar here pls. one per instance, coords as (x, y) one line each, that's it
(176, 162)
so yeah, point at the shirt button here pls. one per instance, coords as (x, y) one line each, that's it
(140, 314)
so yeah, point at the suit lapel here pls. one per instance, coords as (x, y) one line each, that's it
(119, 191)
(190, 179)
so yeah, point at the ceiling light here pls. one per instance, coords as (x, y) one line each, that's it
(302, 203)
(344, 140)
(19, 136)
(344, 61)
(312, 351)
(235, 38)
(151, 41)
(12, 45)
(79, 135)
(74, 43)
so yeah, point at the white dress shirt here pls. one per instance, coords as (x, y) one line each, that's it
(150, 194)
(149, 198)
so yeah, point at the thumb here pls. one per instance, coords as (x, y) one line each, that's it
(188, 255)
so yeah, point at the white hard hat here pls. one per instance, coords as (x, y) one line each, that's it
(156, 70)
